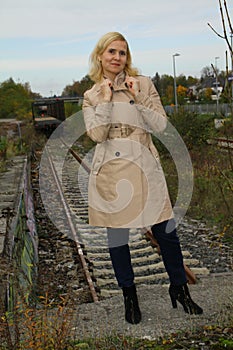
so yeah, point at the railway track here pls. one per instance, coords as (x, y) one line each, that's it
(221, 142)
(74, 256)
(62, 270)
(148, 266)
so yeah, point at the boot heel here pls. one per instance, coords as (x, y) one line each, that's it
(182, 295)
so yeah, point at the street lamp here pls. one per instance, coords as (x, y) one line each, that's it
(216, 82)
(174, 70)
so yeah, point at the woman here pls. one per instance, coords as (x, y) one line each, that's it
(127, 187)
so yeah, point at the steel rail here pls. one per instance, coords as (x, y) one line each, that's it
(79, 159)
(73, 231)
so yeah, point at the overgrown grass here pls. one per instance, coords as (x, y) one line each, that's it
(45, 325)
(10, 148)
(212, 197)
(207, 337)
(49, 325)
(15, 144)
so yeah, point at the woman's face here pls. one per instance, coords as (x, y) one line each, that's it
(114, 58)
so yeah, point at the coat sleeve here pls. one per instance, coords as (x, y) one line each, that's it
(149, 104)
(97, 119)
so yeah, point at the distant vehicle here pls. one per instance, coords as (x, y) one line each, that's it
(48, 113)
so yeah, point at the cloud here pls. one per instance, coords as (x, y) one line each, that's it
(59, 18)
(50, 40)
(65, 62)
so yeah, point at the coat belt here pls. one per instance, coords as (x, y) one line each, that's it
(120, 130)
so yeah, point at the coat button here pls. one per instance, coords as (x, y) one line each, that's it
(117, 154)
(131, 102)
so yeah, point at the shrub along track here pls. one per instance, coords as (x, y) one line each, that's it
(61, 270)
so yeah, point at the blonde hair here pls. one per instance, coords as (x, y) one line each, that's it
(96, 71)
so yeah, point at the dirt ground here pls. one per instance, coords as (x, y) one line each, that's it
(214, 293)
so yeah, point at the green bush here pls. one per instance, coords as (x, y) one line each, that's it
(194, 129)
(3, 147)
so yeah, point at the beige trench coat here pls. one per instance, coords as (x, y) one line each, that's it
(127, 187)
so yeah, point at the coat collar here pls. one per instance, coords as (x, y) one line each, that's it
(118, 83)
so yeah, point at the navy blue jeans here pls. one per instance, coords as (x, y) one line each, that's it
(170, 251)
(166, 235)
(118, 239)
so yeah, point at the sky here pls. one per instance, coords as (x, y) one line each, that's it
(47, 43)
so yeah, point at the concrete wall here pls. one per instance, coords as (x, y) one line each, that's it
(19, 253)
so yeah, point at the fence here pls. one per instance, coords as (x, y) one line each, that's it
(224, 109)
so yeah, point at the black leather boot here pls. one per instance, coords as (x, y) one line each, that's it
(181, 294)
(132, 310)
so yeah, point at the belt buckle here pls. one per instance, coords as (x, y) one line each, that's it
(124, 131)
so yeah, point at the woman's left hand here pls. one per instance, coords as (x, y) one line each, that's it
(133, 85)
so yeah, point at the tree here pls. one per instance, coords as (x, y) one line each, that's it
(207, 72)
(226, 21)
(78, 87)
(165, 87)
(181, 94)
(168, 99)
(15, 99)
(207, 93)
(181, 80)
(191, 81)
(225, 17)
(157, 82)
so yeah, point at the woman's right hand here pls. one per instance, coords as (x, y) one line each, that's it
(106, 90)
